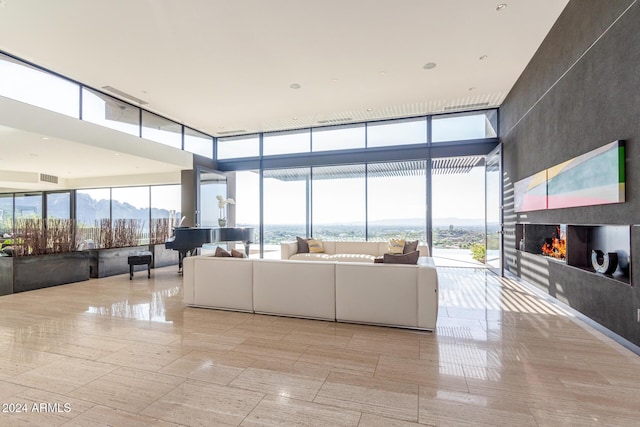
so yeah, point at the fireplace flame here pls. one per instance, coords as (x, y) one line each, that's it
(557, 248)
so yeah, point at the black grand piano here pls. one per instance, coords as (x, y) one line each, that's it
(186, 240)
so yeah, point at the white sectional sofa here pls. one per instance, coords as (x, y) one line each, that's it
(381, 294)
(342, 251)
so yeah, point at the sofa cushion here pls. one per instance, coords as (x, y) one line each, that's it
(410, 246)
(238, 254)
(315, 246)
(221, 252)
(410, 258)
(369, 248)
(351, 258)
(305, 289)
(396, 246)
(310, 257)
(303, 245)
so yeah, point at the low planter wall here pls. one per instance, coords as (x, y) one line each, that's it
(26, 273)
(163, 257)
(112, 261)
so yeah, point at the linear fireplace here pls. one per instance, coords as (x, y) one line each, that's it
(600, 249)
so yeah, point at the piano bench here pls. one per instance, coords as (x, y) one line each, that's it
(140, 258)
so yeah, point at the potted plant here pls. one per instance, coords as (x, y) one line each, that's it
(222, 204)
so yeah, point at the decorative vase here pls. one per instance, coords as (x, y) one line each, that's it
(222, 222)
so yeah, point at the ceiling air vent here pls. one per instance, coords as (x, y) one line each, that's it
(331, 121)
(124, 95)
(466, 106)
(48, 178)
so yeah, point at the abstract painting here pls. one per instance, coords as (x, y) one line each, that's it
(530, 194)
(594, 178)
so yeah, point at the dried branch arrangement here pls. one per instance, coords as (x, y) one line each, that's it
(159, 231)
(61, 235)
(33, 236)
(105, 233)
(126, 232)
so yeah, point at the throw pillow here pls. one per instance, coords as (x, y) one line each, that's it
(221, 252)
(238, 254)
(303, 245)
(315, 246)
(410, 258)
(410, 246)
(396, 246)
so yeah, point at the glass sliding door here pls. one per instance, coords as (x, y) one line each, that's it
(211, 185)
(458, 211)
(339, 203)
(247, 198)
(494, 221)
(286, 207)
(397, 200)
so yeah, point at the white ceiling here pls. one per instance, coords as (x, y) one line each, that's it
(226, 66)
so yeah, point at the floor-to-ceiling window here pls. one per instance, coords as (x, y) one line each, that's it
(417, 178)
(165, 212)
(28, 205)
(93, 216)
(6, 214)
(59, 205)
(130, 215)
(339, 202)
(286, 204)
(458, 216)
(397, 200)
(212, 185)
(247, 207)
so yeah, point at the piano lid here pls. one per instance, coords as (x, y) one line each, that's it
(233, 234)
(189, 238)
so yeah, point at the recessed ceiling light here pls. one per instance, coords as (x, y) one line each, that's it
(501, 6)
(33, 154)
(369, 110)
(381, 73)
(429, 66)
(45, 137)
(294, 86)
(116, 154)
(483, 57)
(334, 80)
(294, 118)
(472, 88)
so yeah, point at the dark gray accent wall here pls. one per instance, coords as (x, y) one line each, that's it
(579, 92)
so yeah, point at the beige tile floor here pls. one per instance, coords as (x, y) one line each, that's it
(128, 353)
